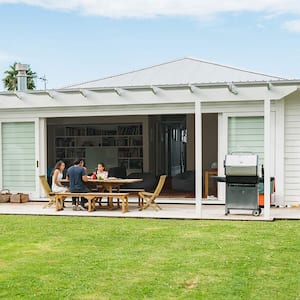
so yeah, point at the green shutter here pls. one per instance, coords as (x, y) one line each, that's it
(246, 134)
(18, 156)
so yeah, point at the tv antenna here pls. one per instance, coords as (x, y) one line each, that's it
(43, 78)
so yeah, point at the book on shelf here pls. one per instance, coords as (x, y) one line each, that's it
(108, 141)
(74, 131)
(135, 141)
(130, 129)
(125, 140)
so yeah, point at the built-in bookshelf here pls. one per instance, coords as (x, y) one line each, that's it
(113, 144)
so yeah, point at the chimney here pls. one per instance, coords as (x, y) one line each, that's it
(22, 77)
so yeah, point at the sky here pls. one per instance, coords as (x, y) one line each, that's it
(74, 41)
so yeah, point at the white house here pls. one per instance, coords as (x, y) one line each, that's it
(176, 116)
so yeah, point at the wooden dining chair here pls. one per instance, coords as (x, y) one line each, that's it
(47, 189)
(150, 197)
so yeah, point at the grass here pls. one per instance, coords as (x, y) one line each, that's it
(102, 258)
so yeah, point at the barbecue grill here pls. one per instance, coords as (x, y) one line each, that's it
(241, 179)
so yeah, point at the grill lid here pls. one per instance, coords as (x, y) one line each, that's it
(241, 165)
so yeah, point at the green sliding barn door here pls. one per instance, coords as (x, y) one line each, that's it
(18, 156)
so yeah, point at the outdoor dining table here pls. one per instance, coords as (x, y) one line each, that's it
(112, 183)
(108, 184)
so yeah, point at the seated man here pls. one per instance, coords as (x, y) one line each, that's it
(77, 178)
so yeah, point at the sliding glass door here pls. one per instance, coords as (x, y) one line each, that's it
(19, 163)
(246, 134)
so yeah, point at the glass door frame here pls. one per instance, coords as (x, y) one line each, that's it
(37, 133)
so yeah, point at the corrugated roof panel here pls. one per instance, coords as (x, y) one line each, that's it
(181, 71)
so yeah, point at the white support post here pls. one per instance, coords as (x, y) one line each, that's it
(42, 146)
(41, 153)
(279, 153)
(198, 158)
(1, 157)
(267, 156)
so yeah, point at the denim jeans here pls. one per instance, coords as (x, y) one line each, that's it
(83, 200)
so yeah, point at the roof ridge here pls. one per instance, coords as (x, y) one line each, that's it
(234, 68)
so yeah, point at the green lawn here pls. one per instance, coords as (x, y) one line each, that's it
(102, 258)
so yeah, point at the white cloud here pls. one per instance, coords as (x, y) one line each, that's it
(5, 57)
(293, 26)
(152, 8)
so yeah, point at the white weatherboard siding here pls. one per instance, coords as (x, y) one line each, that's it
(292, 150)
(18, 156)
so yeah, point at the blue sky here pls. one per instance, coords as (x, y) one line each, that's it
(82, 40)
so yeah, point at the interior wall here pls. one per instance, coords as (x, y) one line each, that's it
(153, 121)
(209, 140)
(209, 148)
(190, 146)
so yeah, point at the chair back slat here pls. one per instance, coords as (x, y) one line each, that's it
(160, 185)
(45, 184)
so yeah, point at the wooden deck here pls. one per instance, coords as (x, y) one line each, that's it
(169, 211)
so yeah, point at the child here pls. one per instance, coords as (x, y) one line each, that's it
(101, 173)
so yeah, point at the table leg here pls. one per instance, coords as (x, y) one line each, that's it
(110, 199)
(118, 200)
(206, 184)
(207, 175)
(89, 204)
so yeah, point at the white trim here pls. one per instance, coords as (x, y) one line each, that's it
(42, 157)
(1, 175)
(111, 97)
(267, 156)
(35, 193)
(279, 153)
(198, 158)
(101, 110)
(222, 146)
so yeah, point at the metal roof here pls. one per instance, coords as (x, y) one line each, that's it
(182, 71)
(173, 83)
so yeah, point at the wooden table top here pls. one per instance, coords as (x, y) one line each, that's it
(111, 180)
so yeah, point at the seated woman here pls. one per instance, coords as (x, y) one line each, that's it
(57, 175)
(101, 173)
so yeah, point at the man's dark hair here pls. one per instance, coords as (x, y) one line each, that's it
(77, 161)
